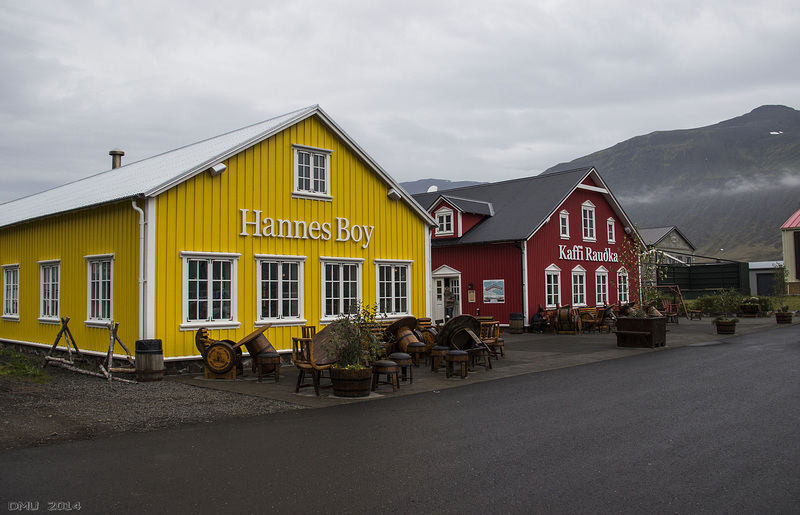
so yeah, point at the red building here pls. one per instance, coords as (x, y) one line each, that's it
(557, 239)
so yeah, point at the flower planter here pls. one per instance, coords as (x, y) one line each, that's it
(351, 382)
(641, 332)
(726, 327)
(783, 317)
(750, 310)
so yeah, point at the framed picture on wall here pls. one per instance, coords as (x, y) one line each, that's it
(494, 291)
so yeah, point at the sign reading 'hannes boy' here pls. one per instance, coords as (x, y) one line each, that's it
(278, 228)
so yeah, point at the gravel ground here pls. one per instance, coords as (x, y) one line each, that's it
(74, 406)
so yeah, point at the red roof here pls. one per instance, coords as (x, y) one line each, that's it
(793, 221)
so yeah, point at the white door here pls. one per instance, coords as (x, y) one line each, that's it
(454, 283)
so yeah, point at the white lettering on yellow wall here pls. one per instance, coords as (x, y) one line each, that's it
(300, 229)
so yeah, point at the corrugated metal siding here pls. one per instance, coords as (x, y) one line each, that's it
(203, 215)
(478, 263)
(109, 229)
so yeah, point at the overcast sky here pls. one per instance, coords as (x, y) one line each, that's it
(459, 90)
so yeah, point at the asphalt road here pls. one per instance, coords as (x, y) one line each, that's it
(710, 428)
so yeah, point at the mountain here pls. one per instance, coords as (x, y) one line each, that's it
(726, 186)
(422, 185)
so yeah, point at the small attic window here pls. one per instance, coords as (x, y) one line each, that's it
(444, 222)
(312, 172)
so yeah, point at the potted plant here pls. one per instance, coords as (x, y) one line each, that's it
(355, 346)
(780, 275)
(725, 324)
(726, 300)
(750, 307)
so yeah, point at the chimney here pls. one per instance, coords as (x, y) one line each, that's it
(116, 158)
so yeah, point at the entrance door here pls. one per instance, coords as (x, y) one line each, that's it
(454, 283)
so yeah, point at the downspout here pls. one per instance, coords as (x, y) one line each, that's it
(142, 223)
(523, 248)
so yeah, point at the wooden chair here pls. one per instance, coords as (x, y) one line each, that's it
(309, 331)
(696, 314)
(608, 319)
(303, 357)
(671, 312)
(490, 336)
(589, 318)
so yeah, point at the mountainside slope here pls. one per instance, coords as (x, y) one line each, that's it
(726, 186)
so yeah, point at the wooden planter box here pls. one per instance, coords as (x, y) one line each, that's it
(750, 310)
(647, 332)
(783, 317)
(726, 327)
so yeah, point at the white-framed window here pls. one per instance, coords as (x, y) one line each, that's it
(622, 286)
(393, 280)
(563, 224)
(552, 281)
(49, 290)
(587, 216)
(444, 222)
(611, 230)
(279, 289)
(209, 290)
(100, 284)
(11, 292)
(341, 285)
(312, 172)
(578, 286)
(601, 286)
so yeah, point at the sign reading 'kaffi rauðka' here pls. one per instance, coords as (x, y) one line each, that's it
(581, 253)
(299, 229)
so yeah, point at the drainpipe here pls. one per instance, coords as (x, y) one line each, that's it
(141, 266)
(523, 248)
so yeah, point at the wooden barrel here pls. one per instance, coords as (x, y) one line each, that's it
(564, 321)
(149, 361)
(256, 342)
(405, 336)
(430, 337)
(465, 339)
(351, 383)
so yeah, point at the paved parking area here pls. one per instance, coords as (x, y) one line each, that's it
(525, 353)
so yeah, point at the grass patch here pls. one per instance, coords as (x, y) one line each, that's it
(22, 367)
(793, 301)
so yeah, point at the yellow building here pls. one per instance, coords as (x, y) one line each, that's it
(284, 222)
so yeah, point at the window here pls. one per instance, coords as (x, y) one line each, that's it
(49, 290)
(601, 286)
(280, 281)
(209, 290)
(622, 286)
(393, 288)
(612, 236)
(311, 172)
(563, 218)
(341, 283)
(552, 275)
(444, 221)
(587, 208)
(578, 286)
(100, 284)
(11, 291)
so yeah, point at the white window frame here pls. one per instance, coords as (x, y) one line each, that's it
(105, 302)
(444, 218)
(623, 286)
(282, 318)
(611, 230)
(563, 224)
(11, 292)
(578, 286)
(601, 286)
(49, 291)
(392, 291)
(316, 189)
(341, 301)
(230, 323)
(552, 285)
(588, 221)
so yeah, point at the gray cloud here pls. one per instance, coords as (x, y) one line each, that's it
(455, 90)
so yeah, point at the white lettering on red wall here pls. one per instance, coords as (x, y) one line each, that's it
(581, 253)
(268, 227)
